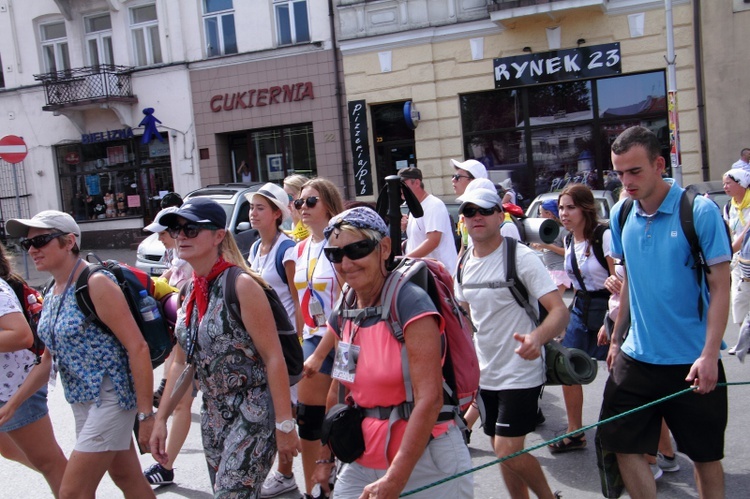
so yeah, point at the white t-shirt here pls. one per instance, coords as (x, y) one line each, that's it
(509, 229)
(265, 265)
(14, 366)
(436, 218)
(314, 277)
(497, 315)
(592, 272)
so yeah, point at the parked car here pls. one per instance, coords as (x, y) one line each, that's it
(603, 199)
(232, 198)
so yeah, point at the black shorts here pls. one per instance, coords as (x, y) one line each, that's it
(696, 421)
(509, 413)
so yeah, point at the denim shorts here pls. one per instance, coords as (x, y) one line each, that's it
(308, 347)
(33, 409)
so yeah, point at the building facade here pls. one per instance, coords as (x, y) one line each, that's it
(535, 89)
(118, 102)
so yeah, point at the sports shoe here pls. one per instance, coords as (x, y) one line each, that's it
(667, 464)
(156, 474)
(276, 484)
(656, 471)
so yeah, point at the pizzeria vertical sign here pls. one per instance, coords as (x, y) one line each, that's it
(558, 65)
(360, 147)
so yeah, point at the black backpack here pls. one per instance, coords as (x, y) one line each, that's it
(687, 222)
(290, 344)
(598, 245)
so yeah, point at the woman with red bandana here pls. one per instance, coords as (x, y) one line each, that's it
(239, 366)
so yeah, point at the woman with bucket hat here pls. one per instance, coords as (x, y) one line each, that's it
(107, 375)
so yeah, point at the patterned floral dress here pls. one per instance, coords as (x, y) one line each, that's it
(237, 417)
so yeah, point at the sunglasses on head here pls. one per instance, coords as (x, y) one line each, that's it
(190, 230)
(310, 202)
(471, 211)
(40, 241)
(353, 251)
(458, 177)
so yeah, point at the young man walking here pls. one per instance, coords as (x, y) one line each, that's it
(509, 345)
(668, 346)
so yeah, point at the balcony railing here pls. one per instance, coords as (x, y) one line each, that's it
(88, 85)
(495, 5)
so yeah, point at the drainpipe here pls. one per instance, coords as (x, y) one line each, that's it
(339, 99)
(698, 47)
(674, 126)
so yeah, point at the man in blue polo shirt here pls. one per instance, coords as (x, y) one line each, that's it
(669, 345)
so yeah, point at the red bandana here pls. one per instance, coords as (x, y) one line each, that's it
(201, 286)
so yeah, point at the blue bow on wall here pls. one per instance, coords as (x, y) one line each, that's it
(149, 123)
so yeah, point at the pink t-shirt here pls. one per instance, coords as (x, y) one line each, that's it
(379, 382)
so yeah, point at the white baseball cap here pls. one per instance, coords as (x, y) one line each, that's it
(472, 166)
(484, 198)
(47, 219)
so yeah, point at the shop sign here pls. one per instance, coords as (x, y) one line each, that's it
(558, 65)
(360, 147)
(122, 134)
(261, 97)
(72, 158)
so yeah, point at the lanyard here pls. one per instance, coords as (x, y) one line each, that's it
(310, 273)
(60, 303)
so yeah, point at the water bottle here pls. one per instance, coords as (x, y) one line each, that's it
(34, 305)
(148, 307)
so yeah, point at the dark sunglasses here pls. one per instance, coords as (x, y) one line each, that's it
(458, 177)
(471, 211)
(310, 202)
(353, 251)
(39, 241)
(190, 230)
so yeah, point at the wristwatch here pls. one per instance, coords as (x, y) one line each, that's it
(285, 426)
(142, 416)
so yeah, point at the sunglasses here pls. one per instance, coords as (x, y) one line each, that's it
(40, 241)
(310, 202)
(471, 211)
(353, 251)
(190, 230)
(458, 177)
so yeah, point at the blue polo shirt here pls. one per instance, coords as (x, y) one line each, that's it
(663, 287)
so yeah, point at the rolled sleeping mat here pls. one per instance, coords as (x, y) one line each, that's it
(540, 230)
(568, 366)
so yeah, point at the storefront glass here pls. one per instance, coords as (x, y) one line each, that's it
(275, 153)
(113, 179)
(546, 136)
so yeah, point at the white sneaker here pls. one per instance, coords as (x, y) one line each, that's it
(276, 484)
(667, 464)
(656, 471)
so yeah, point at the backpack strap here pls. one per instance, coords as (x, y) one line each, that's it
(517, 288)
(687, 221)
(83, 296)
(280, 252)
(598, 246)
(229, 285)
(625, 209)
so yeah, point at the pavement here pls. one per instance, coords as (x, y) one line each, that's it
(575, 473)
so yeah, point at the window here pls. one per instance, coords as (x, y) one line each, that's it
(144, 27)
(218, 21)
(292, 24)
(54, 46)
(99, 39)
(275, 153)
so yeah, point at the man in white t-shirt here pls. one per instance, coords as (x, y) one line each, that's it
(744, 162)
(509, 344)
(431, 235)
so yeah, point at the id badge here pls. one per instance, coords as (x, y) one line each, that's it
(52, 382)
(316, 312)
(345, 362)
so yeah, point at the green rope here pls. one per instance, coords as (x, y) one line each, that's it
(561, 437)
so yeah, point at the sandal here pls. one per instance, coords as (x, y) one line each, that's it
(575, 442)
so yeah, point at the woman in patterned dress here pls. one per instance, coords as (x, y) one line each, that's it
(107, 375)
(239, 366)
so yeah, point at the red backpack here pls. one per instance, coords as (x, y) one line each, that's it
(460, 366)
(31, 303)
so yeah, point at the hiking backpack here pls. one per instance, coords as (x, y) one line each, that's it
(687, 222)
(290, 344)
(279, 262)
(31, 304)
(461, 366)
(516, 215)
(131, 281)
(597, 246)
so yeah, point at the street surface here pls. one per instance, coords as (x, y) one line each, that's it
(575, 474)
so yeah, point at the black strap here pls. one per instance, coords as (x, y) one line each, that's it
(576, 270)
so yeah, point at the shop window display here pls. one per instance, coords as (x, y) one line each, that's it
(116, 179)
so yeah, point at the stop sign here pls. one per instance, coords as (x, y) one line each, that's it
(13, 149)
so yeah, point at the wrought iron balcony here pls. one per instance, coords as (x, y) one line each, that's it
(89, 85)
(512, 4)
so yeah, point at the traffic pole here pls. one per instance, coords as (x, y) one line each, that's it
(18, 207)
(674, 125)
